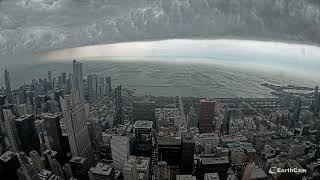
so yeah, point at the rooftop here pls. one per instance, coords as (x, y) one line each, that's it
(50, 116)
(22, 118)
(38, 121)
(207, 100)
(209, 136)
(46, 174)
(143, 124)
(5, 157)
(50, 152)
(185, 177)
(102, 169)
(220, 160)
(233, 138)
(187, 137)
(79, 160)
(168, 140)
(142, 163)
(143, 100)
(211, 176)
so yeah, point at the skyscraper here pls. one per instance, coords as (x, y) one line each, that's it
(92, 86)
(64, 78)
(50, 79)
(78, 79)
(75, 116)
(143, 138)
(226, 121)
(296, 111)
(108, 83)
(206, 116)
(118, 120)
(316, 102)
(187, 152)
(69, 84)
(9, 126)
(120, 150)
(8, 86)
(54, 133)
(27, 133)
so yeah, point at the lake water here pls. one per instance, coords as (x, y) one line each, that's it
(187, 67)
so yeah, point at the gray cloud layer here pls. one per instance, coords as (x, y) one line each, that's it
(32, 26)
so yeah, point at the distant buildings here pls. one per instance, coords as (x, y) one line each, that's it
(78, 79)
(168, 116)
(192, 118)
(8, 86)
(92, 86)
(50, 121)
(118, 118)
(296, 111)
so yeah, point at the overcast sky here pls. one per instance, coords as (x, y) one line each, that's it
(33, 26)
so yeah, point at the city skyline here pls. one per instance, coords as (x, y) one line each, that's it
(211, 135)
(159, 89)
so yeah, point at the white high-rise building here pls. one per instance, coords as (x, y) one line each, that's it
(75, 117)
(78, 79)
(10, 128)
(120, 150)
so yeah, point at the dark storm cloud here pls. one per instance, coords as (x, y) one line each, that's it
(35, 26)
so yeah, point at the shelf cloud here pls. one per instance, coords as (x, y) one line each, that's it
(34, 26)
